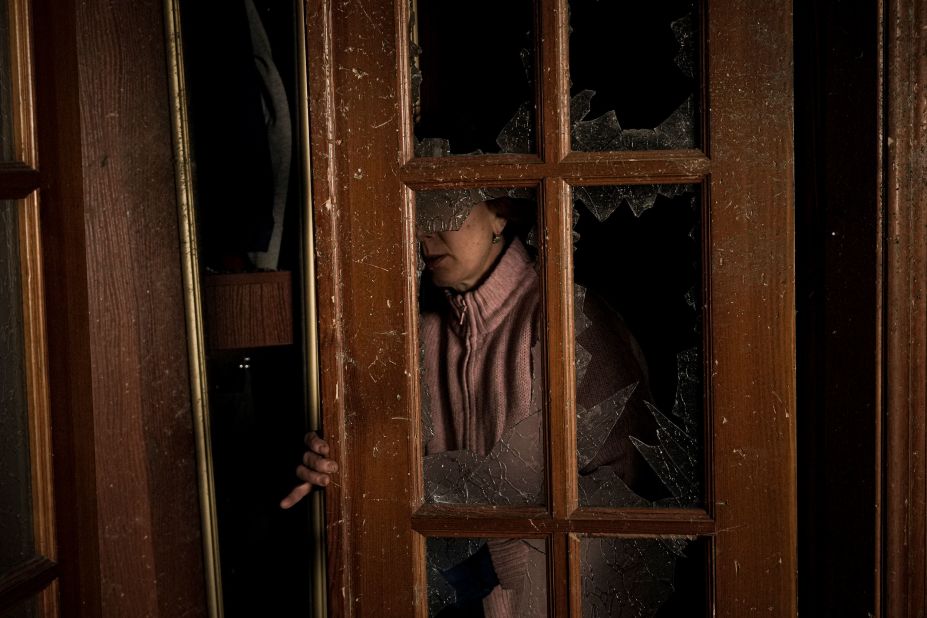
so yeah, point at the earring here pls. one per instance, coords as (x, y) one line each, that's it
(496, 238)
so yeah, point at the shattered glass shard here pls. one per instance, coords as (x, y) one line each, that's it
(601, 201)
(438, 211)
(583, 358)
(594, 425)
(442, 555)
(512, 473)
(604, 133)
(460, 571)
(690, 299)
(446, 209)
(628, 578)
(604, 200)
(687, 406)
(532, 239)
(684, 31)
(580, 105)
(598, 134)
(516, 136)
(675, 460)
(605, 488)
(580, 321)
(432, 147)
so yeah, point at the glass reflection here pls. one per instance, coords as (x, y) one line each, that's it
(638, 349)
(633, 74)
(17, 543)
(486, 577)
(7, 136)
(472, 77)
(480, 366)
(643, 578)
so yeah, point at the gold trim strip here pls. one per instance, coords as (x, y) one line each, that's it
(193, 305)
(311, 326)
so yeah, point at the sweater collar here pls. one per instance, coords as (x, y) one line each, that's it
(484, 307)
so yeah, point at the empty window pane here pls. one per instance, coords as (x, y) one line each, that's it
(643, 577)
(7, 137)
(472, 77)
(637, 312)
(17, 542)
(634, 75)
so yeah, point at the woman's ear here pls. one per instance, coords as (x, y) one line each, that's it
(498, 223)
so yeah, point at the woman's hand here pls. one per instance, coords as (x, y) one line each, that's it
(315, 470)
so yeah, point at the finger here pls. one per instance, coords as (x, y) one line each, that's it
(298, 493)
(314, 461)
(311, 476)
(317, 444)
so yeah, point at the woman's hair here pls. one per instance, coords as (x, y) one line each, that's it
(520, 213)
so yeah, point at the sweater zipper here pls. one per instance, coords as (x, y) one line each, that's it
(462, 305)
(470, 429)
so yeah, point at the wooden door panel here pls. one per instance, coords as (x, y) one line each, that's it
(364, 178)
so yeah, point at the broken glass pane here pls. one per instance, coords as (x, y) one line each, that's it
(493, 577)
(642, 577)
(7, 138)
(512, 473)
(633, 73)
(17, 544)
(481, 384)
(446, 209)
(472, 77)
(637, 322)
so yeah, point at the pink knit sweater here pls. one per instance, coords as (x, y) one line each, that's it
(478, 357)
(478, 374)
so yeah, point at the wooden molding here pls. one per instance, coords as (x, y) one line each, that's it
(36, 357)
(904, 576)
(328, 240)
(17, 180)
(22, 82)
(29, 579)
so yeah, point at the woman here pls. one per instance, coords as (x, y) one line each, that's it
(458, 261)
(480, 304)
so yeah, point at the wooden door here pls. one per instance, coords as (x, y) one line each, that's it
(730, 163)
(29, 572)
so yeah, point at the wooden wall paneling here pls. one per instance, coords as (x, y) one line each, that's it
(752, 311)
(66, 297)
(150, 561)
(128, 513)
(905, 327)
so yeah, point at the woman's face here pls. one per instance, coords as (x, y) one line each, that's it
(459, 259)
